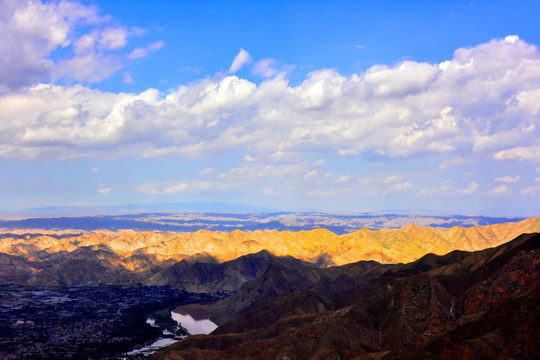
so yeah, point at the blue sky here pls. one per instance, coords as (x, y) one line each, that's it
(332, 106)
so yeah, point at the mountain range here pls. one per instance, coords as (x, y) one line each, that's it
(462, 305)
(408, 293)
(129, 257)
(163, 217)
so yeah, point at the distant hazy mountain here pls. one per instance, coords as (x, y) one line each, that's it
(135, 209)
(174, 218)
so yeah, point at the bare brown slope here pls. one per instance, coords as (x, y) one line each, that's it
(318, 246)
(419, 311)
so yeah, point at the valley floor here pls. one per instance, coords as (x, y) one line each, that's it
(81, 322)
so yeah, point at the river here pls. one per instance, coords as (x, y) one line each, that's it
(193, 317)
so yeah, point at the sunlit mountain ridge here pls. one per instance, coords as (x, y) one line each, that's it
(128, 257)
(385, 246)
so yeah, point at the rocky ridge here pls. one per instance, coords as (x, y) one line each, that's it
(466, 305)
(386, 246)
(192, 260)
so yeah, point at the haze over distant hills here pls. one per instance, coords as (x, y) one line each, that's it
(81, 210)
(164, 217)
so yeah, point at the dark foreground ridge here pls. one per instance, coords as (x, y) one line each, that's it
(463, 305)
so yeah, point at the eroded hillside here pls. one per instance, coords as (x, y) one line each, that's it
(386, 246)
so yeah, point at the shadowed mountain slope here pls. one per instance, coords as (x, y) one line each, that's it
(193, 275)
(466, 305)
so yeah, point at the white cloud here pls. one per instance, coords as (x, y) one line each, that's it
(241, 59)
(508, 179)
(271, 191)
(537, 179)
(475, 105)
(318, 193)
(175, 189)
(127, 78)
(392, 179)
(148, 188)
(207, 171)
(190, 186)
(142, 52)
(458, 161)
(94, 170)
(113, 38)
(265, 68)
(531, 190)
(361, 47)
(91, 67)
(442, 190)
(448, 189)
(498, 191)
(397, 188)
(291, 178)
(469, 190)
(343, 178)
(520, 153)
(33, 30)
(104, 190)
(311, 174)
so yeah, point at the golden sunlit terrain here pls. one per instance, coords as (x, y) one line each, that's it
(386, 246)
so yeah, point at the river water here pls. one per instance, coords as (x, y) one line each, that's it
(193, 317)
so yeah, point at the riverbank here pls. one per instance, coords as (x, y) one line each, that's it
(81, 322)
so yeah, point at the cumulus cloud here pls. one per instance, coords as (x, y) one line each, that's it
(531, 190)
(292, 177)
(271, 191)
(33, 30)
(469, 190)
(127, 78)
(442, 190)
(520, 153)
(392, 179)
(142, 52)
(477, 104)
(265, 68)
(311, 174)
(498, 191)
(207, 171)
(241, 59)
(149, 188)
(318, 193)
(104, 191)
(448, 189)
(398, 187)
(191, 186)
(507, 179)
(454, 162)
(113, 38)
(343, 178)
